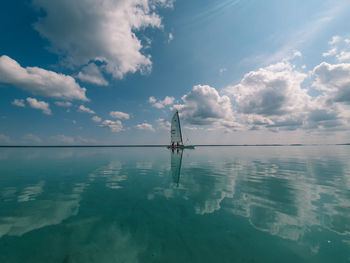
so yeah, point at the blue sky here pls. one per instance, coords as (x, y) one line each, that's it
(114, 71)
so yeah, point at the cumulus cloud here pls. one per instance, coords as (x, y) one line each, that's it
(335, 80)
(163, 124)
(273, 98)
(204, 105)
(114, 126)
(82, 108)
(324, 118)
(145, 126)
(334, 40)
(92, 74)
(39, 81)
(101, 30)
(159, 104)
(331, 52)
(63, 103)
(274, 90)
(340, 48)
(96, 119)
(119, 115)
(39, 105)
(344, 56)
(18, 103)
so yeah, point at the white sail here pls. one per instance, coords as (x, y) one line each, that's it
(175, 131)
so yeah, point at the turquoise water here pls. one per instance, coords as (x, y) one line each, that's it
(211, 204)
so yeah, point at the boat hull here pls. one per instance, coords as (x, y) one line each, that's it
(181, 147)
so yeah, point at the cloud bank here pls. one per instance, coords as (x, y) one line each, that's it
(276, 97)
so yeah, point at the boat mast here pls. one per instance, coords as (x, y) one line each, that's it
(179, 126)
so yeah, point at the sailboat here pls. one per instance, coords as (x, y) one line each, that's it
(176, 135)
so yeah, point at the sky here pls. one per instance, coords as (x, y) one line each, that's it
(87, 72)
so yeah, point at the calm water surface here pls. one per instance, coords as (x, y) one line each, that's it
(211, 204)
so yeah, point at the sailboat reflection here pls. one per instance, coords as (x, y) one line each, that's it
(176, 160)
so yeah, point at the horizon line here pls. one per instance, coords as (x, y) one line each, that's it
(163, 145)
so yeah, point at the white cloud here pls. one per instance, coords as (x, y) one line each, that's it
(39, 81)
(335, 40)
(4, 138)
(18, 103)
(92, 74)
(335, 80)
(96, 119)
(145, 126)
(271, 91)
(114, 126)
(204, 105)
(159, 104)
(340, 49)
(170, 38)
(39, 105)
(163, 124)
(32, 137)
(63, 138)
(63, 103)
(101, 30)
(119, 115)
(331, 52)
(82, 108)
(297, 53)
(274, 98)
(344, 56)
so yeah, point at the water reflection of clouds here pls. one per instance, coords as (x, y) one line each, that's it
(83, 240)
(35, 214)
(29, 193)
(284, 201)
(112, 173)
(287, 196)
(284, 195)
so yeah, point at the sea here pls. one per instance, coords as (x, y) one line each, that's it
(152, 204)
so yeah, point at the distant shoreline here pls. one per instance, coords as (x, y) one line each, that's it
(154, 146)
